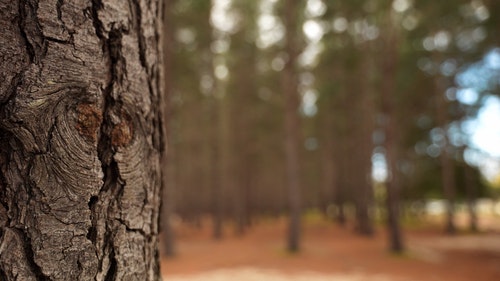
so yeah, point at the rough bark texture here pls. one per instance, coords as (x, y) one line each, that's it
(79, 161)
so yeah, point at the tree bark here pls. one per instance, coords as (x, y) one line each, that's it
(80, 136)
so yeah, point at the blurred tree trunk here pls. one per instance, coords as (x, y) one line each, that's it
(363, 151)
(341, 150)
(223, 164)
(470, 190)
(81, 140)
(215, 130)
(223, 172)
(245, 165)
(292, 126)
(243, 145)
(327, 156)
(168, 158)
(216, 183)
(389, 67)
(242, 87)
(447, 165)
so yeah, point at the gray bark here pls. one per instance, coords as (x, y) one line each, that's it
(80, 84)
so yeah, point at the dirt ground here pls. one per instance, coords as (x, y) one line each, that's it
(331, 252)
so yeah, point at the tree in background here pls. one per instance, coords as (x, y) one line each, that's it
(242, 91)
(292, 123)
(168, 155)
(389, 66)
(372, 75)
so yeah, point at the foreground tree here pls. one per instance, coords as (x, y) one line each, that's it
(80, 137)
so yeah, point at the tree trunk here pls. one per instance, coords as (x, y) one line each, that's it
(393, 191)
(223, 162)
(361, 149)
(470, 190)
(219, 157)
(327, 160)
(341, 149)
(292, 127)
(447, 166)
(243, 86)
(448, 182)
(80, 138)
(391, 142)
(243, 129)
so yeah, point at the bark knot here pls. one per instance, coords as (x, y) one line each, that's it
(122, 132)
(89, 121)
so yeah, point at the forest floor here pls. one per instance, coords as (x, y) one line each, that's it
(332, 252)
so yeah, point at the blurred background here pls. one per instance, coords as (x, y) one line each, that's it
(327, 122)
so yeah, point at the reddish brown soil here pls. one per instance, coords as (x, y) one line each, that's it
(330, 249)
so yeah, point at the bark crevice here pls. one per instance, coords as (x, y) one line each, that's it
(30, 256)
(113, 184)
(31, 32)
(59, 41)
(59, 10)
(92, 230)
(12, 90)
(140, 34)
(98, 26)
(3, 276)
(111, 273)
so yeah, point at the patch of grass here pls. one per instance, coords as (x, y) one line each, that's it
(406, 254)
(314, 217)
(283, 252)
(415, 223)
